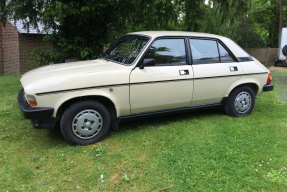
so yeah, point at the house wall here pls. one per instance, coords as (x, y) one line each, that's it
(28, 43)
(10, 49)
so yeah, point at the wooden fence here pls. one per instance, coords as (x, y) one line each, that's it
(264, 55)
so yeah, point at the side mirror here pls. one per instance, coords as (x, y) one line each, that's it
(147, 62)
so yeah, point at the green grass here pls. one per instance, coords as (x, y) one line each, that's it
(197, 151)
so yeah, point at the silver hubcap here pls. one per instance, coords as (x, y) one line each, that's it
(87, 124)
(243, 102)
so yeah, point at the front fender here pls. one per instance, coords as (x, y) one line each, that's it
(119, 97)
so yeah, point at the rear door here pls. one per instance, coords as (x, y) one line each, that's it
(165, 84)
(215, 69)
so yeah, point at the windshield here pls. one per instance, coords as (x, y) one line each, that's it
(126, 49)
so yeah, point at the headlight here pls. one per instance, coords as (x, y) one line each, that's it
(31, 100)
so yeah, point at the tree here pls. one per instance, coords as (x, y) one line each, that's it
(280, 6)
(3, 12)
(80, 28)
(264, 17)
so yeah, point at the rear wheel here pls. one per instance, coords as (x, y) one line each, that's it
(240, 102)
(85, 122)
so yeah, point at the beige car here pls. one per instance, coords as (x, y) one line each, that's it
(143, 73)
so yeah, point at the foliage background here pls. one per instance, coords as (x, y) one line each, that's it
(81, 28)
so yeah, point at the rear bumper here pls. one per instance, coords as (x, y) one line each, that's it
(268, 87)
(41, 117)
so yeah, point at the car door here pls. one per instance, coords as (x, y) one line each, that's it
(215, 69)
(165, 83)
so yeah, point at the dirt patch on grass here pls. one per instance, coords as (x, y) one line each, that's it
(116, 178)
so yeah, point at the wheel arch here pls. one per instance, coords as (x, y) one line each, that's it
(102, 99)
(250, 83)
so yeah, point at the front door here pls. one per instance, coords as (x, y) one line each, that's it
(167, 82)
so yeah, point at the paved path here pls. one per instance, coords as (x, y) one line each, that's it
(284, 69)
(281, 79)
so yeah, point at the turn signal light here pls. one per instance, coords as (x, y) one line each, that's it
(269, 79)
(31, 100)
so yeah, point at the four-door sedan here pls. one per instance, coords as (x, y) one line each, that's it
(143, 73)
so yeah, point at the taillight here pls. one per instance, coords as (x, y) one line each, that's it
(269, 79)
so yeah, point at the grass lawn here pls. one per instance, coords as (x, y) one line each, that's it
(197, 151)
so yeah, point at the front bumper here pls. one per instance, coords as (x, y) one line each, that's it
(42, 118)
(268, 87)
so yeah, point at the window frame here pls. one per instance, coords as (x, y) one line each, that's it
(235, 60)
(228, 51)
(131, 34)
(188, 60)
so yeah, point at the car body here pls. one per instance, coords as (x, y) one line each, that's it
(143, 73)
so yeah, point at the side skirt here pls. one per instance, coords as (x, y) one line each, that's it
(168, 111)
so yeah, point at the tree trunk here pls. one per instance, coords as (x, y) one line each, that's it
(250, 7)
(280, 15)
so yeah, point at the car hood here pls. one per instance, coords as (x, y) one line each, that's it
(58, 77)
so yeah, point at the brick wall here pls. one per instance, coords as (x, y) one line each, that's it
(27, 43)
(10, 49)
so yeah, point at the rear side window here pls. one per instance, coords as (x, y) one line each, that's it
(208, 51)
(204, 51)
(167, 52)
(225, 57)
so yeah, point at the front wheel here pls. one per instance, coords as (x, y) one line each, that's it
(85, 122)
(240, 102)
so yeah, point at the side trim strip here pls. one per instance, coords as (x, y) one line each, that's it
(169, 111)
(79, 89)
(230, 75)
(149, 82)
(138, 83)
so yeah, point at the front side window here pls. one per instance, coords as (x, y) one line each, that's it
(167, 52)
(204, 51)
(126, 49)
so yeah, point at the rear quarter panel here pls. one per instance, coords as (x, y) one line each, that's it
(252, 72)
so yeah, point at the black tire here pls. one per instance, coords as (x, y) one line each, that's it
(284, 50)
(276, 61)
(85, 110)
(230, 107)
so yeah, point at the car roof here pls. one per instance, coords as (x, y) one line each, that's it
(155, 34)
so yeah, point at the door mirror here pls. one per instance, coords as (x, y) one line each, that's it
(147, 62)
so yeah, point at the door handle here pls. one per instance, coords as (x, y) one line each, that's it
(233, 68)
(184, 72)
